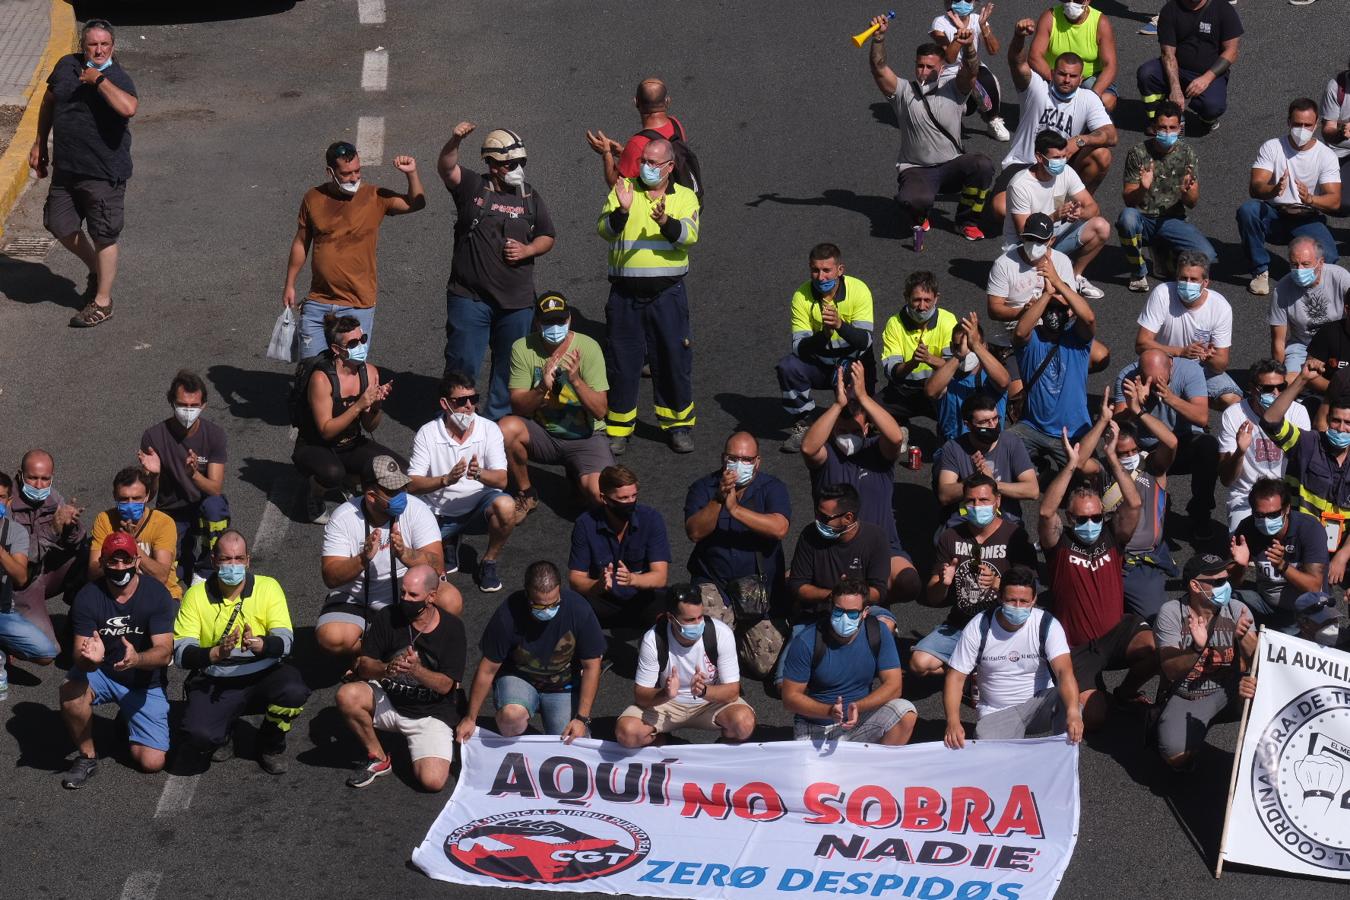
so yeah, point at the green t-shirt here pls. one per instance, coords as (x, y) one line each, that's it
(1164, 196)
(561, 413)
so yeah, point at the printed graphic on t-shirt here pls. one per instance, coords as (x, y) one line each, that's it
(553, 672)
(118, 626)
(405, 687)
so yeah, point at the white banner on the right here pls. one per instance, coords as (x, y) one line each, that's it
(1290, 808)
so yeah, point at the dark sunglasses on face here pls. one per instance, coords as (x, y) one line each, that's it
(509, 165)
(355, 342)
(1080, 520)
(466, 400)
(851, 614)
(1217, 582)
(1271, 388)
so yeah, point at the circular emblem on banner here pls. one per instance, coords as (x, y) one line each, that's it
(1301, 778)
(547, 846)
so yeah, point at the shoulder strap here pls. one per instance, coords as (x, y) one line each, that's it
(873, 628)
(1046, 621)
(923, 98)
(1040, 370)
(818, 651)
(662, 646)
(710, 641)
(480, 206)
(986, 622)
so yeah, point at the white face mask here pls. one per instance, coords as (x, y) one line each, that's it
(462, 421)
(1074, 10)
(349, 187)
(848, 444)
(1300, 135)
(1034, 249)
(1130, 463)
(186, 415)
(970, 362)
(515, 178)
(1327, 634)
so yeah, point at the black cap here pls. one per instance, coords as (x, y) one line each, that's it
(552, 308)
(1039, 227)
(1203, 564)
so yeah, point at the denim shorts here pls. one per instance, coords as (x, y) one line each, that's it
(941, 641)
(556, 708)
(146, 711)
(24, 639)
(473, 522)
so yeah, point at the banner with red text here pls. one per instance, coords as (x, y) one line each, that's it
(997, 819)
(1290, 809)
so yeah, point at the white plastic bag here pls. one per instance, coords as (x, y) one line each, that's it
(282, 345)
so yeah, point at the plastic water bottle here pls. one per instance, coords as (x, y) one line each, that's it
(4, 679)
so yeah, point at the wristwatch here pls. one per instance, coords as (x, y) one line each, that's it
(584, 720)
(100, 79)
(1080, 143)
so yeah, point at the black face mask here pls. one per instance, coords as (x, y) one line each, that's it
(119, 577)
(622, 511)
(1054, 319)
(985, 435)
(410, 609)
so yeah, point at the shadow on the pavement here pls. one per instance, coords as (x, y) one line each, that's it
(761, 416)
(882, 212)
(171, 12)
(278, 480)
(253, 393)
(33, 282)
(413, 402)
(331, 744)
(43, 742)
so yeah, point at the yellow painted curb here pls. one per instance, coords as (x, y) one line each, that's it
(14, 163)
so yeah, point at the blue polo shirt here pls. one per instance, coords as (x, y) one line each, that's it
(1058, 399)
(595, 545)
(1187, 382)
(732, 550)
(959, 388)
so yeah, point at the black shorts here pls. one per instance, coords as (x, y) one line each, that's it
(1107, 652)
(74, 199)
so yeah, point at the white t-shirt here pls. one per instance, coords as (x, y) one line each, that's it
(944, 25)
(1016, 279)
(1177, 325)
(1335, 109)
(1304, 310)
(435, 453)
(345, 535)
(1014, 667)
(1041, 110)
(1316, 165)
(1027, 194)
(1264, 458)
(689, 660)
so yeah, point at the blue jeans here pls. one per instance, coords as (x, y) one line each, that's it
(1167, 235)
(556, 708)
(20, 637)
(312, 312)
(1260, 223)
(473, 522)
(469, 325)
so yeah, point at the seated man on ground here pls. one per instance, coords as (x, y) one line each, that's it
(19, 637)
(1286, 552)
(969, 368)
(1246, 452)
(153, 531)
(1310, 296)
(912, 345)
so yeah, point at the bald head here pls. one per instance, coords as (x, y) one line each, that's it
(39, 457)
(231, 545)
(651, 96)
(742, 443)
(1157, 365)
(420, 583)
(659, 151)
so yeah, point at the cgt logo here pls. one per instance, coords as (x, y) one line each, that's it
(547, 846)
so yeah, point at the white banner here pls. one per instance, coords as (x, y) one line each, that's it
(1290, 809)
(997, 819)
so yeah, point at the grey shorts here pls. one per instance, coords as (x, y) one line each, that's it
(871, 727)
(1041, 714)
(343, 610)
(581, 456)
(1185, 721)
(97, 204)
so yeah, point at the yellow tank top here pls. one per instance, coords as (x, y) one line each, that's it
(1066, 37)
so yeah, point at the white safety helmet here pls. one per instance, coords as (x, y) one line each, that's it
(502, 145)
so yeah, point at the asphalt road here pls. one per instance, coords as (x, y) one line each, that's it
(238, 101)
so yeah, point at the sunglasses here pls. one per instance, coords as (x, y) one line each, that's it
(1218, 582)
(355, 342)
(1271, 388)
(657, 163)
(467, 400)
(510, 165)
(543, 606)
(852, 615)
(1082, 520)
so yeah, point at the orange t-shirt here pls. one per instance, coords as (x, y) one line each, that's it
(158, 533)
(345, 234)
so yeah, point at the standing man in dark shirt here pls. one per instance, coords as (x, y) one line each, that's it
(413, 661)
(87, 107)
(123, 626)
(501, 225)
(1199, 41)
(187, 455)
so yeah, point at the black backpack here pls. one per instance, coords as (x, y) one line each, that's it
(663, 643)
(297, 401)
(688, 172)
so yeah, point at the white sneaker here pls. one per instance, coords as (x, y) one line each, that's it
(1260, 284)
(1089, 290)
(1139, 285)
(998, 130)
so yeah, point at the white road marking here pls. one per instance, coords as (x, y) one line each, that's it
(141, 886)
(370, 140)
(177, 796)
(274, 523)
(371, 12)
(375, 70)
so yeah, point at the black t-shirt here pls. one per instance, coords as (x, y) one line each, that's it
(1331, 344)
(822, 562)
(148, 612)
(548, 654)
(440, 650)
(1198, 34)
(176, 490)
(871, 473)
(477, 268)
(89, 137)
(1006, 547)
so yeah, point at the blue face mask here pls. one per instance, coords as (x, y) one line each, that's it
(1088, 531)
(555, 334)
(744, 472)
(545, 614)
(230, 573)
(37, 495)
(131, 512)
(843, 625)
(89, 64)
(397, 504)
(1304, 277)
(824, 287)
(1189, 291)
(4, 510)
(1270, 526)
(1167, 139)
(828, 531)
(1266, 400)
(1016, 615)
(359, 353)
(963, 9)
(651, 175)
(979, 516)
(1056, 166)
(1221, 594)
(1062, 98)
(692, 632)
(1339, 439)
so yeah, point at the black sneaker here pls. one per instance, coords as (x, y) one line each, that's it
(80, 771)
(273, 762)
(681, 441)
(365, 775)
(223, 753)
(451, 546)
(488, 582)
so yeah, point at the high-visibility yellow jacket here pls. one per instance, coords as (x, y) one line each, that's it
(643, 249)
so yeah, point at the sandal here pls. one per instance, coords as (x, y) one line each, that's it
(91, 315)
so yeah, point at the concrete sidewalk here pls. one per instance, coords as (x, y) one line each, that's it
(34, 34)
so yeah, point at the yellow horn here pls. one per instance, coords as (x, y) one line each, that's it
(861, 37)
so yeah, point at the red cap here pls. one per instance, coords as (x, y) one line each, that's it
(119, 542)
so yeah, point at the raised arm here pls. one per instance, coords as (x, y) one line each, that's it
(447, 166)
(1017, 54)
(886, 80)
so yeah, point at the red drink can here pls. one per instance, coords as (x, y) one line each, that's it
(915, 458)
